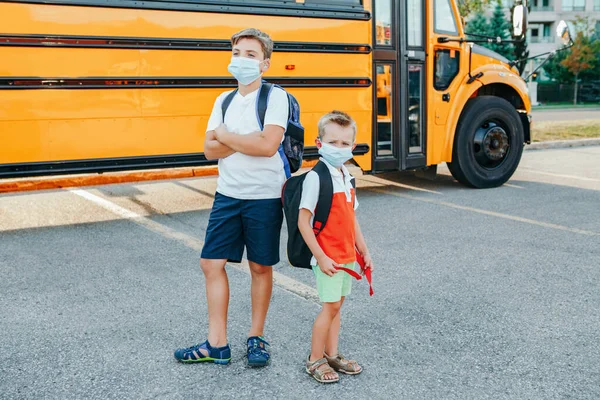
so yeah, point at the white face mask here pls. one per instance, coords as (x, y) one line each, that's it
(335, 156)
(245, 70)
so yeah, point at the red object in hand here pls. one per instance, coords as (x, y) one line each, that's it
(367, 271)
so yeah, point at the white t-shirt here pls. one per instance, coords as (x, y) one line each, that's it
(249, 177)
(342, 183)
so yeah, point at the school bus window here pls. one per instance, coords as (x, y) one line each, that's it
(444, 18)
(446, 68)
(385, 94)
(383, 22)
(415, 92)
(414, 16)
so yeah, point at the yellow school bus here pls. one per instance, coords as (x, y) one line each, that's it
(105, 85)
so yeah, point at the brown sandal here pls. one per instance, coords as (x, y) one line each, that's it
(319, 369)
(341, 364)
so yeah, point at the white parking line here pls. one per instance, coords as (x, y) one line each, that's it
(485, 212)
(581, 178)
(283, 281)
(383, 182)
(513, 186)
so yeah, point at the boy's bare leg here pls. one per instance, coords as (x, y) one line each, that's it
(320, 332)
(331, 344)
(261, 288)
(217, 298)
(321, 329)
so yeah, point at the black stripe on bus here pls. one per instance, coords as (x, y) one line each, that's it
(285, 9)
(127, 163)
(16, 83)
(122, 42)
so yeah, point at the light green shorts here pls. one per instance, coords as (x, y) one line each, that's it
(332, 288)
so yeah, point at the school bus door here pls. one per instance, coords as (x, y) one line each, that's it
(399, 131)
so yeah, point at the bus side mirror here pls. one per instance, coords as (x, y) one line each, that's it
(562, 31)
(519, 20)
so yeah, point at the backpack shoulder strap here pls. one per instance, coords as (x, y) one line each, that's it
(226, 102)
(325, 197)
(353, 182)
(262, 102)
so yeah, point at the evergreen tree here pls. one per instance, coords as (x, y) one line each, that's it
(478, 25)
(497, 26)
(500, 27)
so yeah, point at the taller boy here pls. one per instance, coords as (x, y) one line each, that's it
(247, 207)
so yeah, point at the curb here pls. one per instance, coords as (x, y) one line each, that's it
(64, 181)
(563, 144)
(107, 178)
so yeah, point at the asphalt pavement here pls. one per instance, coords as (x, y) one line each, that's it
(479, 294)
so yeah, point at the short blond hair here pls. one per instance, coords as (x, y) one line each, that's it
(339, 118)
(252, 33)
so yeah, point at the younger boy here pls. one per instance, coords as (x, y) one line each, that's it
(334, 246)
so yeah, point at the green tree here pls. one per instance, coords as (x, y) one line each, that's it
(580, 59)
(556, 71)
(593, 74)
(583, 55)
(478, 25)
(500, 28)
(497, 26)
(593, 40)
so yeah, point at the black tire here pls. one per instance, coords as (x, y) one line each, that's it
(488, 143)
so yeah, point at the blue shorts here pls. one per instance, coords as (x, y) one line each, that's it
(235, 224)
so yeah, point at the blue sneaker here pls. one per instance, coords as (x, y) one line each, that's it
(218, 355)
(258, 352)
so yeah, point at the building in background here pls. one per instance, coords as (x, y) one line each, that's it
(543, 19)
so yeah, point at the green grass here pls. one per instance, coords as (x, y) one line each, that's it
(565, 130)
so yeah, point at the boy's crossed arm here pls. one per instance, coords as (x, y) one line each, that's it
(263, 143)
(213, 149)
(326, 264)
(221, 143)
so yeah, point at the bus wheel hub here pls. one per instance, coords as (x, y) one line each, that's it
(491, 145)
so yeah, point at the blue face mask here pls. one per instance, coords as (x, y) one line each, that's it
(335, 156)
(245, 70)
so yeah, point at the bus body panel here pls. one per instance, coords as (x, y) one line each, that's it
(52, 63)
(117, 112)
(99, 21)
(145, 122)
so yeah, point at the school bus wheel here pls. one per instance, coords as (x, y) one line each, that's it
(488, 143)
